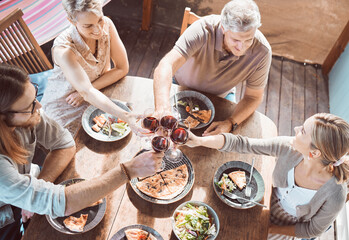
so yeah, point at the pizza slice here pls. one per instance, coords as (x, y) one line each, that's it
(154, 187)
(203, 115)
(239, 178)
(136, 234)
(76, 224)
(176, 179)
(192, 122)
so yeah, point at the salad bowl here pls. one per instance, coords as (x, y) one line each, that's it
(198, 212)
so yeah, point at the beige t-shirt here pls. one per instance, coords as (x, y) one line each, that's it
(209, 68)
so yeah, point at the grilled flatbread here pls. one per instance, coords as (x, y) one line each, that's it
(154, 186)
(192, 122)
(76, 224)
(176, 179)
(239, 178)
(166, 185)
(136, 234)
(203, 115)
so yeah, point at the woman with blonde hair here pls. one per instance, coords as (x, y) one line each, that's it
(81, 56)
(309, 179)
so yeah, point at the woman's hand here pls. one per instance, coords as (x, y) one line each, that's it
(75, 99)
(145, 164)
(133, 121)
(193, 141)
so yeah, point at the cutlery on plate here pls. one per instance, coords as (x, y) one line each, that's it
(248, 187)
(234, 196)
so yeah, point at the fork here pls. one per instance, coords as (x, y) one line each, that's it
(248, 187)
(234, 196)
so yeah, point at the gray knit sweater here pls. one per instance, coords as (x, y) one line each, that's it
(316, 216)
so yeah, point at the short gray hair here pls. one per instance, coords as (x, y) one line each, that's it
(240, 16)
(74, 6)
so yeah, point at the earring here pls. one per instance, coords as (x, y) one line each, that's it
(310, 155)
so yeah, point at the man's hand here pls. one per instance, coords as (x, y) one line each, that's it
(74, 99)
(26, 215)
(145, 164)
(218, 127)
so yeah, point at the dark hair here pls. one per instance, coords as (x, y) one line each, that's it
(12, 81)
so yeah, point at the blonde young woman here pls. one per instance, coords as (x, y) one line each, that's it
(81, 55)
(309, 179)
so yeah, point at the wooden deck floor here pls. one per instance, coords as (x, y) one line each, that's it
(294, 92)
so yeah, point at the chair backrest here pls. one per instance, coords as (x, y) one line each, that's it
(18, 45)
(188, 18)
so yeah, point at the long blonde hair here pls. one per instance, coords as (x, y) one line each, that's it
(330, 136)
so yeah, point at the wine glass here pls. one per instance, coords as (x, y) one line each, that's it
(179, 135)
(150, 123)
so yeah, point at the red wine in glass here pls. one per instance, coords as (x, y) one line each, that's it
(150, 123)
(179, 135)
(160, 144)
(168, 122)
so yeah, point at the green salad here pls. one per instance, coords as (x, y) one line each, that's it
(115, 128)
(226, 183)
(193, 222)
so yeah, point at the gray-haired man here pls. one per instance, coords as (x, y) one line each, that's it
(215, 54)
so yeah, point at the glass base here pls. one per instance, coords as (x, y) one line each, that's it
(173, 155)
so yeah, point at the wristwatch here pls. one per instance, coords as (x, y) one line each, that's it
(234, 126)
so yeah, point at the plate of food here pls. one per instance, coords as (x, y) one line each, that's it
(194, 107)
(81, 221)
(232, 177)
(195, 220)
(170, 185)
(103, 126)
(137, 232)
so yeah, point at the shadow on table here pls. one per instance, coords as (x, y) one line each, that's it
(98, 146)
(153, 209)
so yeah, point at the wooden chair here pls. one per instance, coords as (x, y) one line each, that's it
(18, 45)
(188, 18)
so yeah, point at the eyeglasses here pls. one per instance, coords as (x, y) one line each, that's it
(34, 102)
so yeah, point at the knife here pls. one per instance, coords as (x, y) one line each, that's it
(234, 196)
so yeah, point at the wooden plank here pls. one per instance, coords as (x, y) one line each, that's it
(298, 95)
(166, 45)
(285, 111)
(148, 62)
(129, 38)
(137, 53)
(322, 92)
(273, 96)
(147, 12)
(310, 91)
(336, 50)
(262, 107)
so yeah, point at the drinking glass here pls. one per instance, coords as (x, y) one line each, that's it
(152, 124)
(179, 135)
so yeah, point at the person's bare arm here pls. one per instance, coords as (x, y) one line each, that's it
(119, 57)
(76, 75)
(55, 163)
(289, 230)
(163, 78)
(214, 141)
(248, 104)
(83, 194)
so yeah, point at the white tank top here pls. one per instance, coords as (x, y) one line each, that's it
(292, 196)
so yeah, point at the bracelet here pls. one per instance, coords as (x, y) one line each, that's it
(234, 126)
(123, 168)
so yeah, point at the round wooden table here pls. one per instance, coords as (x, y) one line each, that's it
(125, 207)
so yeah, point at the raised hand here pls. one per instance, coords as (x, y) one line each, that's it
(145, 164)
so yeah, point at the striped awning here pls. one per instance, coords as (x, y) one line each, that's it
(45, 18)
